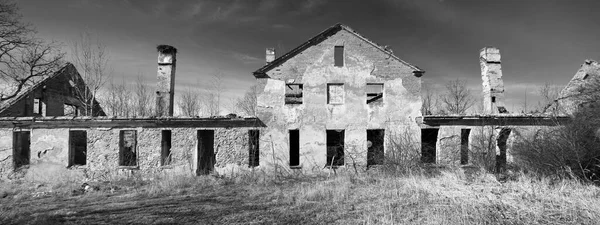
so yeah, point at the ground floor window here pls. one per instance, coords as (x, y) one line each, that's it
(335, 148)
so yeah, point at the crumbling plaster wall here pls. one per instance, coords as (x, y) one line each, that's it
(483, 144)
(50, 152)
(314, 68)
(6, 160)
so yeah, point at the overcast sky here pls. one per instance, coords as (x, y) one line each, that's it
(540, 41)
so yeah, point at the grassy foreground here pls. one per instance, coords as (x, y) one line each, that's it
(370, 198)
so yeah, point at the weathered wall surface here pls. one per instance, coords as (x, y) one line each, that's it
(483, 143)
(5, 152)
(314, 68)
(50, 153)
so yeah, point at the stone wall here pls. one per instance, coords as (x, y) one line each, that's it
(49, 155)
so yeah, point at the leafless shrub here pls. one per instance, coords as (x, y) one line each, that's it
(569, 151)
(403, 154)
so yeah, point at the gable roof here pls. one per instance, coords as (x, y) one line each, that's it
(261, 73)
(27, 89)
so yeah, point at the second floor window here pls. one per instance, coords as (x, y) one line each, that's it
(335, 94)
(374, 93)
(293, 94)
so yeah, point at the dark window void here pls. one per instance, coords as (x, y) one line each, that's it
(374, 93)
(293, 94)
(493, 99)
(206, 152)
(128, 148)
(77, 147)
(253, 148)
(165, 147)
(501, 159)
(464, 146)
(428, 144)
(21, 148)
(335, 147)
(339, 56)
(375, 152)
(294, 148)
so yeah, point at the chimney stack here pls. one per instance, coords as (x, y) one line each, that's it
(270, 55)
(165, 86)
(493, 86)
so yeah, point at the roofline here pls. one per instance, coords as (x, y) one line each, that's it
(125, 122)
(36, 85)
(261, 73)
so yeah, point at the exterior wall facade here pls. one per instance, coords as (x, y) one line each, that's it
(49, 152)
(315, 68)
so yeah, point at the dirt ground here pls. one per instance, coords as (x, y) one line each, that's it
(227, 205)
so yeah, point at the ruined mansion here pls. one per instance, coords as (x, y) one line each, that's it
(338, 100)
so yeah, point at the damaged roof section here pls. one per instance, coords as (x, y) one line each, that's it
(261, 73)
(496, 120)
(124, 122)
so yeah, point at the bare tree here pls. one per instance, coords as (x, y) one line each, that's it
(457, 98)
(247, 104)
(548, 93)
(23, 58)
(189, 103)
(91, 59)
(213, 96)
(143, 98)
(117, 102)
(430, 101)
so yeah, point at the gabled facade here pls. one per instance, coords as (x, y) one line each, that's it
(336, 100)
(581, 90)
(54, 95)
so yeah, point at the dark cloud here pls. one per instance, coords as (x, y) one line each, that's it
(540, 41)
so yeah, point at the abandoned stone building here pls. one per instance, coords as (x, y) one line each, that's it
(337, 100)
(59, 94)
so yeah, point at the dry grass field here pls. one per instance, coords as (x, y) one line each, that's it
(449, 197)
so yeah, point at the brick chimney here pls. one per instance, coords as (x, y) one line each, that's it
(270, 55)
(165, 86)
(493, 86)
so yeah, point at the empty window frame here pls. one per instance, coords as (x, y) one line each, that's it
(335, 94)
(493, 99)
(293, 94)
(21, 148)
(206, 152)
(339, 56)
(374, 93)
(77, 147)
(428, 144)
(253, 148)
(165, 148)
(128, 148)
(70, 110)
(37, 106)
(294, 148)
(335, 148)
(464, 146)
(375, 151)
